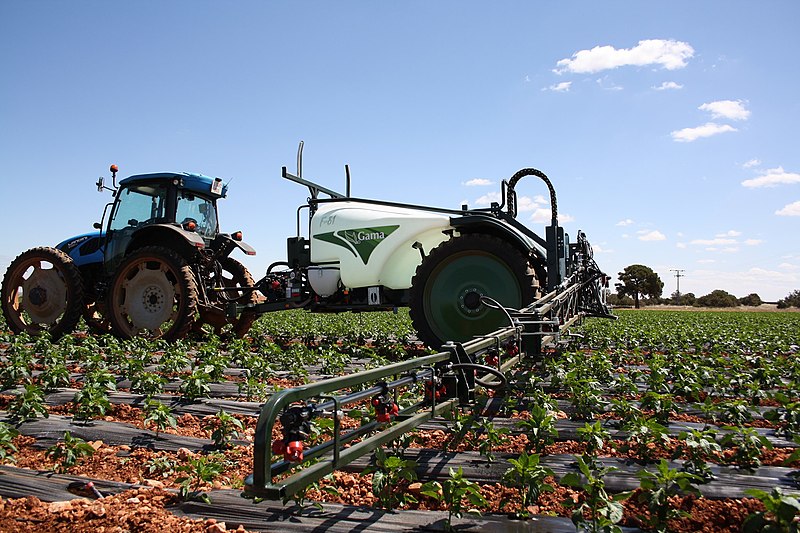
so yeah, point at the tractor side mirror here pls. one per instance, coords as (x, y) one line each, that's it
(100, 184)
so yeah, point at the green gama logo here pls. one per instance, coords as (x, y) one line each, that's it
(361, 242)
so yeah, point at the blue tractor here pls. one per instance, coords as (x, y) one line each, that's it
(159, 268)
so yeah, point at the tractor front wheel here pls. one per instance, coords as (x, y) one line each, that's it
(153, 294)
(42, 292)
(445, 297)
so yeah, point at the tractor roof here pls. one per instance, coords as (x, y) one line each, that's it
(194, 182)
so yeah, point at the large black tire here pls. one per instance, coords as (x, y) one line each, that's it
(446, 289)
(153, 294)
(42, 292)
(234, 274)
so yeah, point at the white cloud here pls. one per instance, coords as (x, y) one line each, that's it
(729, 109)
(773, 178)
(668, 85)
(526, 203)
(753, 242)
(706, 130)
(706, 261)
(607, 84)
(788, 266)
(719, 241)
(487, 199)
(654, 235)
(626, 222)
(752, 163)
(543, 215)
(731, 233)
(790, 210)
(478, 182)
(560, 87)
(680, 245)
(668, 54)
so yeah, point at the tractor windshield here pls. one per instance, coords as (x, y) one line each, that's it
(138, 205)
(199, 211)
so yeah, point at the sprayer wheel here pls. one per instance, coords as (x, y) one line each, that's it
(446, 289)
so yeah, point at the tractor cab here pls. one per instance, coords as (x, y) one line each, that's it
(177, 209)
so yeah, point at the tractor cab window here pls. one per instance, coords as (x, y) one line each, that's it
(197, 214)
(139, 205)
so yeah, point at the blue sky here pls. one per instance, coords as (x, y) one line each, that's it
(667, 128)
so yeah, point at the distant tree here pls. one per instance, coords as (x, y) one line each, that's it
(718, 298)
(793, 300)
(619, 301)
(688, 299)
(639, 281)
(752, 300)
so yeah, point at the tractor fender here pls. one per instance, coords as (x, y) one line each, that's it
(491, 226)
(170, 236)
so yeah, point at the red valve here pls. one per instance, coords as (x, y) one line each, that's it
(492, 360)
(512, 349)
(294, 452)
(430, 388)
(385, 409)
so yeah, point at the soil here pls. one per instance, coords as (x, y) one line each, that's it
(147, 508)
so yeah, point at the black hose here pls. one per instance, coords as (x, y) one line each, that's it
(538, 173)
(489, 370)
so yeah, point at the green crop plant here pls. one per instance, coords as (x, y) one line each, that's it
(159, 415)
(529, 477)
(748, 446)
(697, 448)
(586, 399)
(661, 405)
(539, 428)
(28, 404)
(148, 383)
(594, 435)
(657, 487)
(488, 437)
(7, 447)
(54, 376)
(224, 427)
(163, 465)
(599, 511)
(69, 452)
(17, 367)
(452, 492)
(780, 515)
(787, 416)
(645, 438)
(197, 472)
(388, 474)
(195, 385)
(91, 401)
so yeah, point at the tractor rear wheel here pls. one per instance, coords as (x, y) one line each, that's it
(153, 294)
(42, 292)
(447, 287)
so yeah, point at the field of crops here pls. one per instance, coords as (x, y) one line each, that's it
(661, 420)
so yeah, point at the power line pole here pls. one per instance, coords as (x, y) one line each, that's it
(679, 273)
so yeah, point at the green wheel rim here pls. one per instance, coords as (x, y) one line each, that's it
(452, 295)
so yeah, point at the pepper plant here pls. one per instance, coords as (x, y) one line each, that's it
(452, 492)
